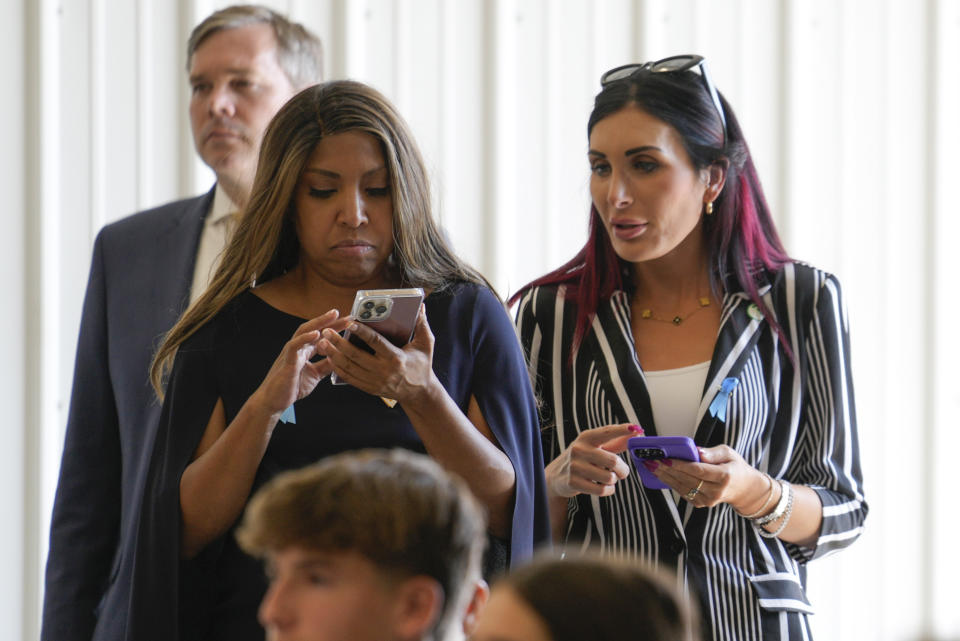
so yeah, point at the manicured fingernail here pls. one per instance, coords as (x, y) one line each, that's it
(668, 462)
(651, 465)
(328, 332)
(353, 327)
(635, 428)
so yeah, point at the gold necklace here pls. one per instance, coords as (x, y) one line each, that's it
(647, 314)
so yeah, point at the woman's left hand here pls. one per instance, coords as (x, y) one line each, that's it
(390, 372)
(722, 476)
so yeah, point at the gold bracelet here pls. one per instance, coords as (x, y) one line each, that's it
(765, 503)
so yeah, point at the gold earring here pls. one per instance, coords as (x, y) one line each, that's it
(709, 207)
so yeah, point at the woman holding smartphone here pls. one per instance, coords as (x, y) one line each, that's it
(340, 203)
(684, 316)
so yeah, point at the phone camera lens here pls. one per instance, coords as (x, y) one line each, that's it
(650, 453)
(366, 314)
(381, 309)
(368, 304)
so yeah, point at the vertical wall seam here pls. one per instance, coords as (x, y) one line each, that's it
(143, 110)
(185, 172)
(785, 114)
(337, 49)
(140, 102)
(33, 309)
(929, 125)
(490, 121)
(639, 26)
(98, 38)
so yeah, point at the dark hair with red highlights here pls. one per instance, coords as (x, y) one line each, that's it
(744, 247)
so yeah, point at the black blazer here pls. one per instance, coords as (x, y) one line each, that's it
(140, 277)
(792, 418)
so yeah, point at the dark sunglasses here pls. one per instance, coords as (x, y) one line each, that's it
(668, 65)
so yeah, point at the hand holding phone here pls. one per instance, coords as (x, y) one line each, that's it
(390, 312)
(655, 448)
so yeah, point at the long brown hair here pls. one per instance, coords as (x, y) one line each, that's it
(265, 244)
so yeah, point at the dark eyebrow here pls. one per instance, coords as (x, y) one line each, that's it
(637, 150)
(333, 174)
(322, 172)
(627, 153)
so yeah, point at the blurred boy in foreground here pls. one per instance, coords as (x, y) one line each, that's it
(369, 545)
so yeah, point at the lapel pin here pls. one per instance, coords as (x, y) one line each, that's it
(718, 406)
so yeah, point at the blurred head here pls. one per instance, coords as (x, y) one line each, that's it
(586, 598)
(244, 63)
(367, 545)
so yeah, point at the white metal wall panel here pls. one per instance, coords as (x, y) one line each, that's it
(849, 108)
(942, 437)
(14, 351)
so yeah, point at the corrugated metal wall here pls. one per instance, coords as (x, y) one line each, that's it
(849, 106)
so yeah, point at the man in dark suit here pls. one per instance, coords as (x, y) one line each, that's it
(244, 63)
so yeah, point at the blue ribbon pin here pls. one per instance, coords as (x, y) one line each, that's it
(288, 416)
(718, 406)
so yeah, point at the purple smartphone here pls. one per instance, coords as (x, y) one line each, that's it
(654, 448)
(391, 312)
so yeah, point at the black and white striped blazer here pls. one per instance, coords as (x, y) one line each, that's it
(796, 423)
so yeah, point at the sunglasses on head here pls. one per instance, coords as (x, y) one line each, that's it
(669, 65)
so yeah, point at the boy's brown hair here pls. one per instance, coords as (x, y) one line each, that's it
(399, 510)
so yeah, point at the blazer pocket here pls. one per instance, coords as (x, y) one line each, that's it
(780, 591)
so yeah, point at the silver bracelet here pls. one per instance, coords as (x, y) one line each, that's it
(786, 516)
(765, 503)
(781, 506)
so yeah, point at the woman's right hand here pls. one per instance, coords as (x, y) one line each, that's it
(591, 464)
(292, 375)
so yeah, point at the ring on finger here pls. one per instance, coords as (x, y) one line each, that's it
(692, 494)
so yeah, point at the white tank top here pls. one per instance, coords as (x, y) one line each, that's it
(675, 397)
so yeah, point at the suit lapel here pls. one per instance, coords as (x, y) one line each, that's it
(740, 329)
(612, 345)
(178, 244)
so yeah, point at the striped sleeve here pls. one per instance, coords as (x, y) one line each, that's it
(537, 341)
(827, 439)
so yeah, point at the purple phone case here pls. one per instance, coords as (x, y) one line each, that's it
(397, 326)
(680, 447)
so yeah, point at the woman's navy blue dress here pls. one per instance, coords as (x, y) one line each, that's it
(216, 595)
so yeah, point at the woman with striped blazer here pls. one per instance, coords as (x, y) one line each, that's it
(684, 316)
